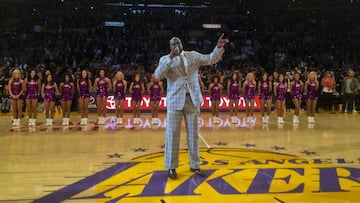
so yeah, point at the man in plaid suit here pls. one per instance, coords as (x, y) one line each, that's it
(184, 98)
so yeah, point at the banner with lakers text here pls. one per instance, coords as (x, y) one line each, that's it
(146, 106)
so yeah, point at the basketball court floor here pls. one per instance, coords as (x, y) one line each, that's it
(124, 164)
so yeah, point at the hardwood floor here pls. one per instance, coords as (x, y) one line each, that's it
(244, 163)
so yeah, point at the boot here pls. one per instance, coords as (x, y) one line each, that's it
(30, 122)
(119, 121)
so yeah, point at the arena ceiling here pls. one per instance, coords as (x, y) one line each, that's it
(217, 3)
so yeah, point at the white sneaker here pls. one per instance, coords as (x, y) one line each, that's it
(282, 120)
(50, 122)
(34, 122)
(279, 120)
(82, 121)
(234, 120)
(354, 111)
(64, 122)
(153, 121)
(85, 121)
(14, 121)
(296, 119)
(312, 120)
(248, 120)
(263, 119)
(30, 122)
(100, 120)
(119, 121)
(214, 120)
(267, 119)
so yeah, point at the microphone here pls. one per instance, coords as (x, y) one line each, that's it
(177, 50)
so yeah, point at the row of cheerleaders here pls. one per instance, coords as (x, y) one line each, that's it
(31, 87)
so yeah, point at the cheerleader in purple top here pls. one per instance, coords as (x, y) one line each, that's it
(16, 89)
(233, 88)
(67, 89)
(215, 93)
(249, 95)
(84, 86)
(48, 90)
(280, 89)
(155, 87)
(296, 87)
(33, 86)
(311, 87)
(265, 87)
(102, 84)
(137, 89)
(119, 95)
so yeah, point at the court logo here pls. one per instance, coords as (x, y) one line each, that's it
(233, 175)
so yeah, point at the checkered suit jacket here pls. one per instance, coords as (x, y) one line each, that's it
(179, 82)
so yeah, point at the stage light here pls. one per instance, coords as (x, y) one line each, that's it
(211, 26)
(114, 24)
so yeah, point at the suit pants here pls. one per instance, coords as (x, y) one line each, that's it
(173, 128)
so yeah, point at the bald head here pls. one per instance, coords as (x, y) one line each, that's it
(176, 42)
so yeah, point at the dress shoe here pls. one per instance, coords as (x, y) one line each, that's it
(172, 174)
(198, 172)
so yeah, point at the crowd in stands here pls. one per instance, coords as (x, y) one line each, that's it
(282, 41)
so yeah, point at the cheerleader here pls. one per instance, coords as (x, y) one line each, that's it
(48, 90)
(264, 88)
(102, 84)
(155, 87)
(137, 89)
(215, 92)
(33, 86)
(296, 87)
(279, 92)
(233, 87)
(16, 89)
(67, 89)
(119, 91)
(83, 87)
(249, 95)
(311, 86)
